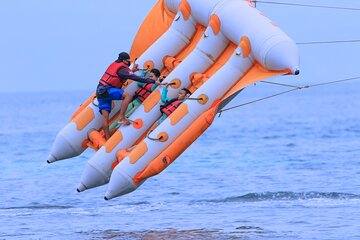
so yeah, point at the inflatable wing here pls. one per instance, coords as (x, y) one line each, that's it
(215, 48)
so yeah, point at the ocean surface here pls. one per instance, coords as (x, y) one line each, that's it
(284, 168)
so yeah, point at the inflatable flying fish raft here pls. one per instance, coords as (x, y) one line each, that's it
(215, 48)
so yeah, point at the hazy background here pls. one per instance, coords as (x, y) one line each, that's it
(67, 45)
(294, 173)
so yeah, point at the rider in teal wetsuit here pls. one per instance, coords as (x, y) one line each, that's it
(145, 89)
(170, 104)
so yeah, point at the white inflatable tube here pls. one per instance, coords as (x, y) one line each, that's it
(230, 22)
(98, 169)
(69, 141)
(271, 47)
(121, 181)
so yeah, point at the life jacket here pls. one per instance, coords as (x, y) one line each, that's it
(110, 77)
(171, 106)
(143, 92)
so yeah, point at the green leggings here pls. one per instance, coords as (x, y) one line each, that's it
(130, 110)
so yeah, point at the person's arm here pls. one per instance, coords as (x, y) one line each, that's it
(153, 87)
(124, 74)
(164, 97)
(143, 74)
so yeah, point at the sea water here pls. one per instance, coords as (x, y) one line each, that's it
(284, 168)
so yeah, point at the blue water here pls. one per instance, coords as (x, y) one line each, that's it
(284, 168)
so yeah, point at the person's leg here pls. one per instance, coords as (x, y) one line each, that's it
(132, 107)
(105, 121)
(105, 109)
(126, 98)
(119, 94)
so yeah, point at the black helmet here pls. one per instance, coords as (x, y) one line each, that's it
(187, 91)
(156, 72)
(123, 56)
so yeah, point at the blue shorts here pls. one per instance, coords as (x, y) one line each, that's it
(113, 94)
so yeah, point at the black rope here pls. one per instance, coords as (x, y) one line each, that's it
(92, 101)
(131, 121)
(258, 100)
(154, 139)
(329, 42)
(117, 125)
(308, 5)
(280, 84)
(336, 81)
(317, 6)
(169, 84)
(194, 99)
(253, 2)
(284, 92)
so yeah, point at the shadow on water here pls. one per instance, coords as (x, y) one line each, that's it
(174, 234)
(37, 206)
(287, 196)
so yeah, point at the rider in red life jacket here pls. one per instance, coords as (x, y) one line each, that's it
(144, 90)
(109, 89)
(170, 105)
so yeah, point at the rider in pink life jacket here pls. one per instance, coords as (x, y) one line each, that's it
(109, 89)
(170, 105)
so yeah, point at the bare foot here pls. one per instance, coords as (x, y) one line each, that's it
(124, 121)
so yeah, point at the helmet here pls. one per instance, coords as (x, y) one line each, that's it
(123, 56)
(156, 72)
(187, 91)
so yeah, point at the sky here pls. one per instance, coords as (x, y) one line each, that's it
(67, 45)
